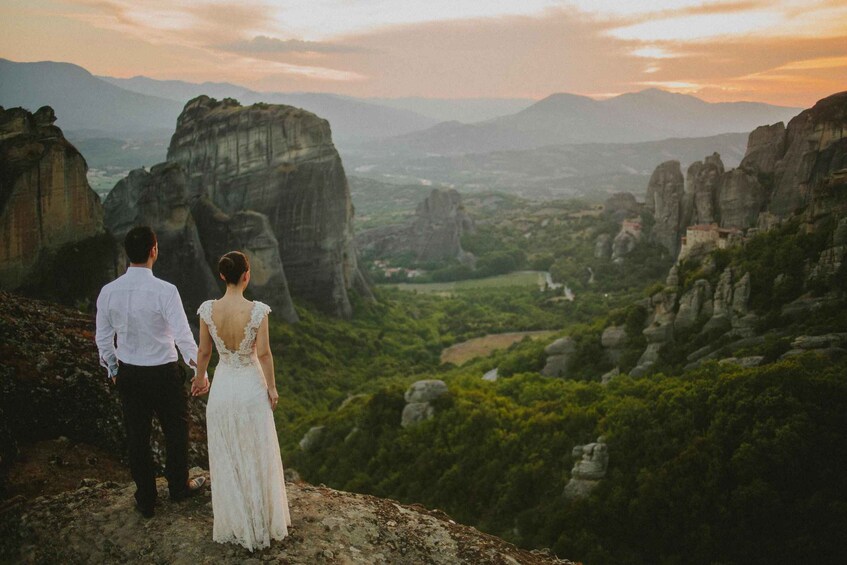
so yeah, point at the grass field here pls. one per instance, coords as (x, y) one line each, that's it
(483, 346)
(518, 278)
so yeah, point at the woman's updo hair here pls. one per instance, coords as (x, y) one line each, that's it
(232, 266)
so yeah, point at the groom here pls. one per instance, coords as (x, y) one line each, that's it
(146, 315)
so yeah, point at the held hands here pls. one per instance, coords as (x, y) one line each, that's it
(273, 396)
(199, 385)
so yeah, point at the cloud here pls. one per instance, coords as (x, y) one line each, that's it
(263, 44)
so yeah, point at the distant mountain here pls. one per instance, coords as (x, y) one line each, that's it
(649, 115)
(465, 110)
(82, 101)
(352, 120)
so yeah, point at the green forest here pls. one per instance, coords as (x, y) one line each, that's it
(720, 464)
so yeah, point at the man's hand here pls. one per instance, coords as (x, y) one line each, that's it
(199, 385)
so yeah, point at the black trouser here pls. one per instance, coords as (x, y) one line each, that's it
(144, 391)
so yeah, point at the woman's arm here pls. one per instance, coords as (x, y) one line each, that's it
(200, 384)
(266, 361)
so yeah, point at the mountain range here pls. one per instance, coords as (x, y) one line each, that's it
(648, 115)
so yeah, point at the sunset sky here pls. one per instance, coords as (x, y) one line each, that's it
(790, 52)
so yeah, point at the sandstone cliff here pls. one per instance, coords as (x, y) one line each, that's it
(52, 238)
(434, 234)
(278, 161)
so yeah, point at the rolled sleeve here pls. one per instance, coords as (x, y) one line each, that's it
(178, 322)
(105, 336)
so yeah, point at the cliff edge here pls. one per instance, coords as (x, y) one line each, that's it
(96, 523)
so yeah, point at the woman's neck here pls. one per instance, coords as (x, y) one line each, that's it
(234, 291)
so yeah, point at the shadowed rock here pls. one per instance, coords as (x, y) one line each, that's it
(279, 161)
(52, 238)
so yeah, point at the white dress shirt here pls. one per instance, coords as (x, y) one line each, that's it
(147, 316)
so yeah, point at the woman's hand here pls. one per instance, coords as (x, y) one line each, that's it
(273, 395)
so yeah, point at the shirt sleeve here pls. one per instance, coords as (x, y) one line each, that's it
(105, 336)
(178, 322)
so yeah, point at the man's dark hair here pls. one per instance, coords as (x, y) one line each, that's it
(138, 243)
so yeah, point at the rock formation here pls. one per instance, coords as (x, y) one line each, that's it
(800, 168)
(665, 198)
(52, 239)
(278, 161)
(419, 397)
(702, 186)
(96, 524)
(435, 233)
(159, 198)
(558, 354)
(56, 386)
(591, 464)
(620, 206)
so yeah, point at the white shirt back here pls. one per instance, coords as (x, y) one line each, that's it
(147, 316)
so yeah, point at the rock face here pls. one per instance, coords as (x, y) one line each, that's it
(558, 353)
(418, 401)
(665, 197)
(801, 168)
(56, 386)
(48, 212)
(620, 206)
(591, 464)
(96, 524)
(278, 161)
(435, 233)
(702, 185)
(159, 198)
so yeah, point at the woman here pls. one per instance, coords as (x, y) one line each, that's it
(249, 502)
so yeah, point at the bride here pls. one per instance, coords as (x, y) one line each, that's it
(249, 502)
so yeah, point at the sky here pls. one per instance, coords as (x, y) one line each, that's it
(788, 52)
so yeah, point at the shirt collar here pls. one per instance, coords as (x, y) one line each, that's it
(139, 271)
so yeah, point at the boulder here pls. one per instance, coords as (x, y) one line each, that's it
(591, 464)
(562, 346)
(745, 362)
(606, 378)
(426, 390)
(820, 341)
(614, 337)
(310, 439)
(418, 401)
(416, 412)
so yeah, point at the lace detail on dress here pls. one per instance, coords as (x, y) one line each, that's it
(243, 356)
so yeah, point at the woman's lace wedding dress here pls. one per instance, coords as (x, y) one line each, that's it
(249, 502)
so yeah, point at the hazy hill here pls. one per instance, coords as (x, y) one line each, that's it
(82, 101)
(648, 115)
(352, 120)
(465, 110)
(553, 171)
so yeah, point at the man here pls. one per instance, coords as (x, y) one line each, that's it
(146, 315)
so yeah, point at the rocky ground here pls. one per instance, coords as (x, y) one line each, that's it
(96, 523)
